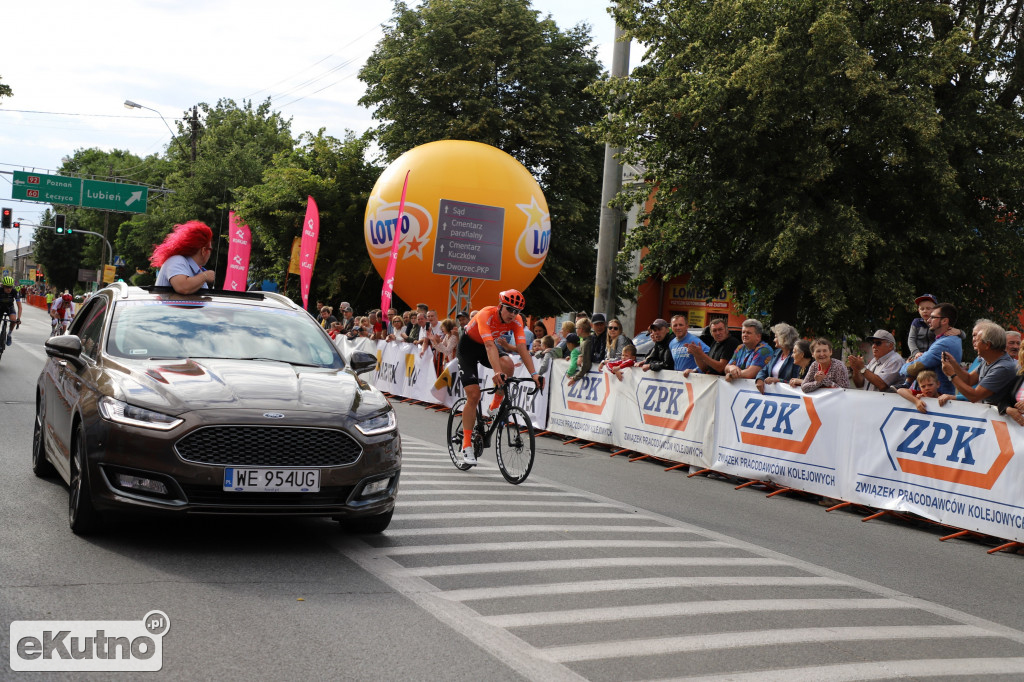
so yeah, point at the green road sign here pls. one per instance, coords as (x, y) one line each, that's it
(58, 189)
(114, 196)
(52, 189)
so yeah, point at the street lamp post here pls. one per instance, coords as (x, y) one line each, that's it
(128, 104)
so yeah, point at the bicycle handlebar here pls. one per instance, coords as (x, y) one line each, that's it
(513, 380)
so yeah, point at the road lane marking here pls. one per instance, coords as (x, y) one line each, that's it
(589, 563)
(624, 584)
(686, 608)
(548, 544)
(531, 529)
(875, 670)
(653, 646)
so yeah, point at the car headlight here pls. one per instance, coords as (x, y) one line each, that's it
(382, 423)
(123, 413)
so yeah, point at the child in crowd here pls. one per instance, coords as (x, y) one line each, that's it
(928, 387)
(628, 360)
(824, 372)
(921, 336)
(572, 346)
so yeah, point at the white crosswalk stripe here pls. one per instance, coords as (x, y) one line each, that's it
(562, 584)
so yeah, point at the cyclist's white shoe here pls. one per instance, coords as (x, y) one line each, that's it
(468, 457)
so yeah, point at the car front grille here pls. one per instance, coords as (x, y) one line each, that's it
(269, 446)
(210, 495)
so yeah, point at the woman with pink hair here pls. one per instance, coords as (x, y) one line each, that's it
(182, 257)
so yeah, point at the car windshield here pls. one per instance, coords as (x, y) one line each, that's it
(203, 329)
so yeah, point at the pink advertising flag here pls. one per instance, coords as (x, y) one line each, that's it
(307, 249)
(238, 255)
(389, 274)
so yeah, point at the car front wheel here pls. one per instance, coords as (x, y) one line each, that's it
(82, 516)
(41, 467)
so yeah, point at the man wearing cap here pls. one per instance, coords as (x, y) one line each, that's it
(462, 317)
(599, 337)
(347, 320)
(660, 356)
(884, 369)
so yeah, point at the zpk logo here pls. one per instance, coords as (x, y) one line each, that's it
(589, 394)
(966, 450)
(775, 421)
(665, 403)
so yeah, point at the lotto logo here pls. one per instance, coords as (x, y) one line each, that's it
(967, 450)
(665, 403)
(779, 422)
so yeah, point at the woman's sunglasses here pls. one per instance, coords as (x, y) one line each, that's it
(615, 328)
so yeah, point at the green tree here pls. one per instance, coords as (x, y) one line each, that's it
(494, 71)
(5, 90)
(59, 255)
(234, 147)
(828, 160)
(338, 177)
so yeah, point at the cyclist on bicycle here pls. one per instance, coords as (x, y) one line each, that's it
(9, 299)
(477, 346)
(62, 310)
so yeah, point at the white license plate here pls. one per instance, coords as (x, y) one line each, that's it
(239, 479)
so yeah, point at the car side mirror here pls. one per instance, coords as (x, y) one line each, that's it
(360, 362)
(66, 347)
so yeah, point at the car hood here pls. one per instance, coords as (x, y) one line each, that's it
(179, 386)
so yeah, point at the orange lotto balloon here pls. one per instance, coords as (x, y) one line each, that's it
(471, 210)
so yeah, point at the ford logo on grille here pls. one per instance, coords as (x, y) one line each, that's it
(273, 415)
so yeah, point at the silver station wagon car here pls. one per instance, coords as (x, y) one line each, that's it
(212, 403)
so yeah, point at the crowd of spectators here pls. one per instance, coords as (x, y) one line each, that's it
(932, 367)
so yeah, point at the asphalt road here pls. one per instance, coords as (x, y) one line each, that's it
(596, 568)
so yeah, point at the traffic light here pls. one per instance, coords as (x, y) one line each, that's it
(58, 222)
(17, 225)
(7, 215)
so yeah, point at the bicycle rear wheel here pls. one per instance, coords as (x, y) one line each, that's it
(514, 445)
(455, 434)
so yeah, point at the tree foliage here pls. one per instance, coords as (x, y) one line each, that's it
(828, 160)
(494, 71)
(336, 174)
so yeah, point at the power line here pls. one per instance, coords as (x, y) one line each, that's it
(71, 113)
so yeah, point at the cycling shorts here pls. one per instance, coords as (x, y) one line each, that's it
(8, 307)
(470, 353)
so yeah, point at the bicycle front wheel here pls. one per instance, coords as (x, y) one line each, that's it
(515, 446)
(455, 434)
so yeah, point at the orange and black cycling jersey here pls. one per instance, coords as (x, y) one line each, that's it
(487, 324)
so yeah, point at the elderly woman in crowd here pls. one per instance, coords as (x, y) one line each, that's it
(780, 367)
(446, 344)
(825, 371)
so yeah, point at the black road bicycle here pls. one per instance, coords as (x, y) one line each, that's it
(510, 426)
(5, 326)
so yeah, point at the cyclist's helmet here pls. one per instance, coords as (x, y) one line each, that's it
(512, 298)
(8, 281)
(67, 297)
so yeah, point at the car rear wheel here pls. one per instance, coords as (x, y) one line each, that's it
(368, 524)
(41, 467)
(82, 516)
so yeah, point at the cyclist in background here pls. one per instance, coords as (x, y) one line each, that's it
(9, 299)
(477, 346)
(62, 311)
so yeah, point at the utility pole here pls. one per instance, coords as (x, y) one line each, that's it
(608, 231)
(106, 225)
(195, 131)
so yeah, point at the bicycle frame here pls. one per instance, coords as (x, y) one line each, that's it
(483, 427)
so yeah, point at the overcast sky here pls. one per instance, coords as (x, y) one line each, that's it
(78, 61)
